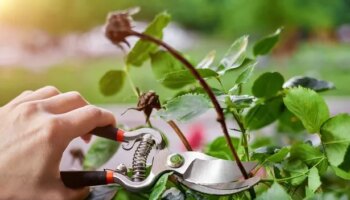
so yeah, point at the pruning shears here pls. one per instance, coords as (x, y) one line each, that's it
(195, 170)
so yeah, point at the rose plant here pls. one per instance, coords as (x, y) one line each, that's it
(291, 168)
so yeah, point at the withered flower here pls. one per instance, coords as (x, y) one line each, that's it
(119, 26)
(147, 102)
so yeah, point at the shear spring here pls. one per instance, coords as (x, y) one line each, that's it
(139, 161)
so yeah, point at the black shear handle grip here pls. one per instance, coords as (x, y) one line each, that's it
(78, 179)
(109, 132)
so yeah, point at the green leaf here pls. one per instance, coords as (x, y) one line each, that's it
(263, 114)
(198, 90)
(261, 141)
(276, 191)
(308, 82)
(296, 169)
(163, 63)
(245, 75)
(265, 45)
(263, 152)
(123, 194)
(179, 79)
(308, 106)
(160, 186)
(310, 155)
(237, 101)
(207, 61)
(142, 49)
(288, 122)
(314, 181)
(185, 108)
(219, 148)
(99, 153)
(279, 156)
(235, 56)
(112, 82)
(268, 84)
(341, 173)
(336, 138)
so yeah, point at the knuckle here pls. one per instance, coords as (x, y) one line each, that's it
(75, 96)
(51, 89)
(94, 111)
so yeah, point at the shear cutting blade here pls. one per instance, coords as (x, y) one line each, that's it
(216, 171)
(223, 189)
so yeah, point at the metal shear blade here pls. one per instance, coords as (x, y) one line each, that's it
(223, 188)
(206, 172)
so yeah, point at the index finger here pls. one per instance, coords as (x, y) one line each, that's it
(83, 120)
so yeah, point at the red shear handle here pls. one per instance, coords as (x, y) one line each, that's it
(109, 132)
(78, 179)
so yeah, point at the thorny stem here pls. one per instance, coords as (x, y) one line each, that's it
(181, 135)
(219, 111)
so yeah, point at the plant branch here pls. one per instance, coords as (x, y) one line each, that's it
(130, 81)
(243, 131)
(180, 135)
(219, 111)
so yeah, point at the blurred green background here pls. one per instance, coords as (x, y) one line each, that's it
(315, 40)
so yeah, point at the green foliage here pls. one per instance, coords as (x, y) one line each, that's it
(266, 44)
(286, 160)
(297, 170)
(235, 55)
(179, 79)
(276, 191)
(160, 187)
(308, 106)
(163, 63)
(310, 155)
(219, 148)
(336, 138)
(268, 84)
(99, 153)
(123, 194)
(279, 156)
(246, 74)
(314, 181)
(142, 49)
(264, 114)
(288, 122)
(239, 101)
(185, 107)
(207, 61)
(112, 82)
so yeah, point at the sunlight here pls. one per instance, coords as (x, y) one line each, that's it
(3, 4)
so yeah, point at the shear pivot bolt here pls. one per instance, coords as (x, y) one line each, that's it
(175, 161)
(122, 169)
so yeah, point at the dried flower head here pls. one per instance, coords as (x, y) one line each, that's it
(119, 26)
(147, 102)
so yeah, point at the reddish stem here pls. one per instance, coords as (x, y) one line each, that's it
(203, 83)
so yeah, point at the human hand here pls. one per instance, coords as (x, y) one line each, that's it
(35, 129)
